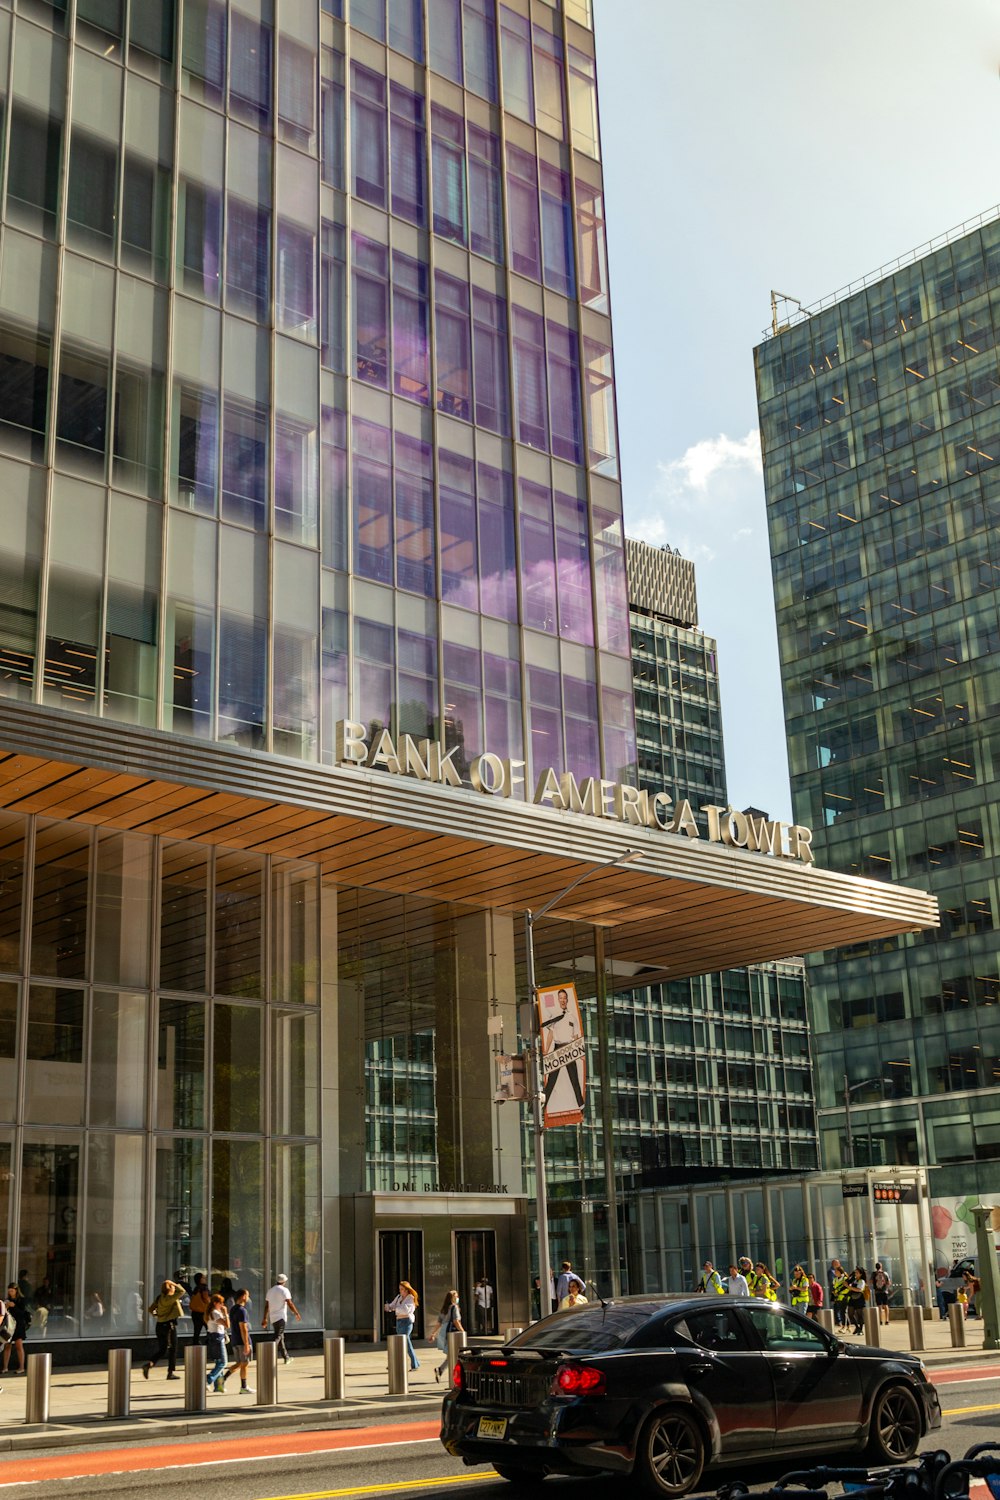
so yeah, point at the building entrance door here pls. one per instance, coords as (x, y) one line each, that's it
(400, 1258)
(476, 1278)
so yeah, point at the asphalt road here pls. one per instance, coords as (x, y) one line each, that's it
(395, 1461)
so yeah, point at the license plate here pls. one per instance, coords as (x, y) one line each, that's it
(492, 1427)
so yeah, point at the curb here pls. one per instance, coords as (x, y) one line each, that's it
(87, 1431)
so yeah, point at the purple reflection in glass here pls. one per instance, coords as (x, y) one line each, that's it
(463, 696)
(538, 573)
(529, 379)
(522, 213)
(619, 735)
(373, 661)
(411, 370)
(414, 516)
(576, 615)
(498, 553)
(417, 710)
(564, 393)
(583, 750)
(545, 721)
(372, 502)
(612, 587)
(504, 730)
(459, 551)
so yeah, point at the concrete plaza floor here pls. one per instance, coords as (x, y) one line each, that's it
(79, 1395)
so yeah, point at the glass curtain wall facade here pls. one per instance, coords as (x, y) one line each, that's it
(881, 432)
(308, 402)
(307, 414)
(160, 1068)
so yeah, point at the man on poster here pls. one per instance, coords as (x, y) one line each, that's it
(564, 1055)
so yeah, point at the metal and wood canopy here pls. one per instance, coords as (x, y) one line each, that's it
(690, 907)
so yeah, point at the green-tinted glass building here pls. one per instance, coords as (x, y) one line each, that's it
(881, 433)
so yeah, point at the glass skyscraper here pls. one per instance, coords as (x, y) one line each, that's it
(307, 440)
(880, 421)
(306, 414)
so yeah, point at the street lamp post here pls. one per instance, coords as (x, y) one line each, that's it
(538, 1081)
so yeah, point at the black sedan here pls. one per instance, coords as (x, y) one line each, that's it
(665, 1387)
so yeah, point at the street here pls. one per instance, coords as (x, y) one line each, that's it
(397, 1459)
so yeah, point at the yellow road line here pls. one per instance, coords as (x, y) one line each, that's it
(954, 1411)
(383, 1489)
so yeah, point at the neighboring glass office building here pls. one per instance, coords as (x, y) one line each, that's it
(306, 413)
(880, 418)
(710, 1077)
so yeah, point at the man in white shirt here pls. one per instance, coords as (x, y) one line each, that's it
(277, 1305)
(484, 1306)
(737, 1286)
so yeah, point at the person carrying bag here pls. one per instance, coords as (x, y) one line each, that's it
(449, 1321)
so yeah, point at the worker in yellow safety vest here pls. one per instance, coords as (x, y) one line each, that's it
(840, 1291)
(764, 1284)
(798, 1289)
(710, 1281)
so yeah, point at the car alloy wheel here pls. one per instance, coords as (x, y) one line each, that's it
(671, 1454)
(895, 1429)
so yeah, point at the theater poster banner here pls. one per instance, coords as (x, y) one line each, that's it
(564, 1055)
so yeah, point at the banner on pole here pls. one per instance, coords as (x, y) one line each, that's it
(564, 1055)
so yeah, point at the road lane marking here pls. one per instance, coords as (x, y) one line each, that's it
(384, 1489)
(117, 1461)
(955, 1411)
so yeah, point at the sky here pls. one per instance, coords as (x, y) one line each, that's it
(751, 145)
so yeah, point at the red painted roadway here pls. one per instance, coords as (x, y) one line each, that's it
(185, 1455)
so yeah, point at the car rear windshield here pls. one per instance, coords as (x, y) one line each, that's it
(584, 1329)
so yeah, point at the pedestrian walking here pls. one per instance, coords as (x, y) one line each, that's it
(840, 1290)
(277, 1305)
(484, 1305)
(216, 1333)
(198, 1303)
(798, 1289)
(737, 1285)
(449, 1321)
(166, 1310)
(42, 1298)
(815, 1297)
(881, 1287)
(710, 1280)
(973, 1287)
(566, 1279)
(17, 1306)
(857, 1296)
(764, 1284)
(404, 1305)
(239, 1337)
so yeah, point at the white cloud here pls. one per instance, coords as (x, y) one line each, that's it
(709, 460)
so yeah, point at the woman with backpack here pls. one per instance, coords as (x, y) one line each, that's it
(449, 1321)
(881, 1289)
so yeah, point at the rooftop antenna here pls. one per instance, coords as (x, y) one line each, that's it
(777, 297)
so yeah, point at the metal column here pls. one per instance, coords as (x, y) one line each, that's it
(119, 1378)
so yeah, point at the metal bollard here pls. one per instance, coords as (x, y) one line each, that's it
(39, 1377)
(119, 1376)
(399, 1384)
(956, 1317)
(456, 1343)
(195, 1376)
(873, 1333)
(267, 1372)
(825, 1319)
(511, 1333)
(915, 1321)
(334, 1382)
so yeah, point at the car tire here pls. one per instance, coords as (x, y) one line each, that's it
(517, 1474)
(896, 1427)
(671, 1454)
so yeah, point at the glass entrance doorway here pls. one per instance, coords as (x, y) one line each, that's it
(476, 1278)
(400, 1258)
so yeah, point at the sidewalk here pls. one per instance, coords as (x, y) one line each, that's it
(78, 1396)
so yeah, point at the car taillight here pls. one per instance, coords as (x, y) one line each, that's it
(579, 1380)
(456, 1378)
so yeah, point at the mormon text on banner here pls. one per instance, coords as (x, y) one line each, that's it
(564, 1055)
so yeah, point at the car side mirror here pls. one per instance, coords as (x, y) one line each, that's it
(837, 1347)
